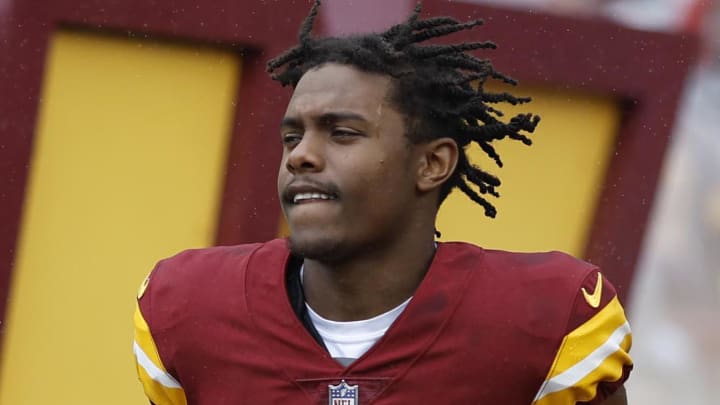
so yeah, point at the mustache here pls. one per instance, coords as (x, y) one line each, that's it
(300, 183)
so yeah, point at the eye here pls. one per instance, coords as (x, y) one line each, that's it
(291, 138)
(345, 133)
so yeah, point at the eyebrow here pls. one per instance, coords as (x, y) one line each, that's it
(324, 119)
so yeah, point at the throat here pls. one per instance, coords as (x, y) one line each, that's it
(361, 291)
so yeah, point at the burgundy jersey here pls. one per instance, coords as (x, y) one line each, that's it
(215, 326)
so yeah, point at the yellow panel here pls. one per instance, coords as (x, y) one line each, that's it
(549, 189)
(127, 168)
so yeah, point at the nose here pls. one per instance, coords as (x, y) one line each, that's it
(307, 155)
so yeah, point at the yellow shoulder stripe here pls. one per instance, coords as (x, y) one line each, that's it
(160, 387)
(596, 351)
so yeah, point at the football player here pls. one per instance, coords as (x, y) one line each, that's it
(361, 305)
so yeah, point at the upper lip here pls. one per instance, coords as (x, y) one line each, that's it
(304, 186)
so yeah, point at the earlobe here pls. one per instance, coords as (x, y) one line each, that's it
(437, 163)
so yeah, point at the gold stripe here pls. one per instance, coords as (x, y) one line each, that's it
(584, 390)
(578, 345)
(587, 337)
(156, 392)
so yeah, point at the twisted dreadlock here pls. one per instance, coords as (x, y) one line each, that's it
(439, 88)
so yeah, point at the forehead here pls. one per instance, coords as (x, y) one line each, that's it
(339, 87)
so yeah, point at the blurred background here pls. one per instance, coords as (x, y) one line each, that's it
(132, 130)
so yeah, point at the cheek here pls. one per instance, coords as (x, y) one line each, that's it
(282, 175)
(376, 174)
(386, 182)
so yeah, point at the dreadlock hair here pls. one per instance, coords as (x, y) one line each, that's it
(439, 88)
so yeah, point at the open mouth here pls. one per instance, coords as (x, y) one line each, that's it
(303, 192)
(301, 198)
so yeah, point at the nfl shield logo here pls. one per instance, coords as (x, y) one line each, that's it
(343, 394)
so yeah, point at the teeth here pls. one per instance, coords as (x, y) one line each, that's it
(311, 196)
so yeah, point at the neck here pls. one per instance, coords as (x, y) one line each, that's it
(370, 284)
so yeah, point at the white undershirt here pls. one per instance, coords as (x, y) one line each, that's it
(347, 341)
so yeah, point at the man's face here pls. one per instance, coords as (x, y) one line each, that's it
(347, 177)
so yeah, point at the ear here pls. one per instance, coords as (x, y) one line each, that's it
(437, 161)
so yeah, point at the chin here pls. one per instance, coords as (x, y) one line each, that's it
(322, 249)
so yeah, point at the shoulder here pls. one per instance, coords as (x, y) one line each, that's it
(594, 338)
(179, 302)
(564, 300)
(593, 358)
(553, 284)
(193, 265)
(196, 281)
(192, 268)
(189, 262)
(550, 293)
(538, 291)
(542, 272)
(552, 265)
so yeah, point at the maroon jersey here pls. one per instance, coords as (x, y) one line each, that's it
(215, 326)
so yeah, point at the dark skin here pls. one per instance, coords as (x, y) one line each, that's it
(364, 218)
